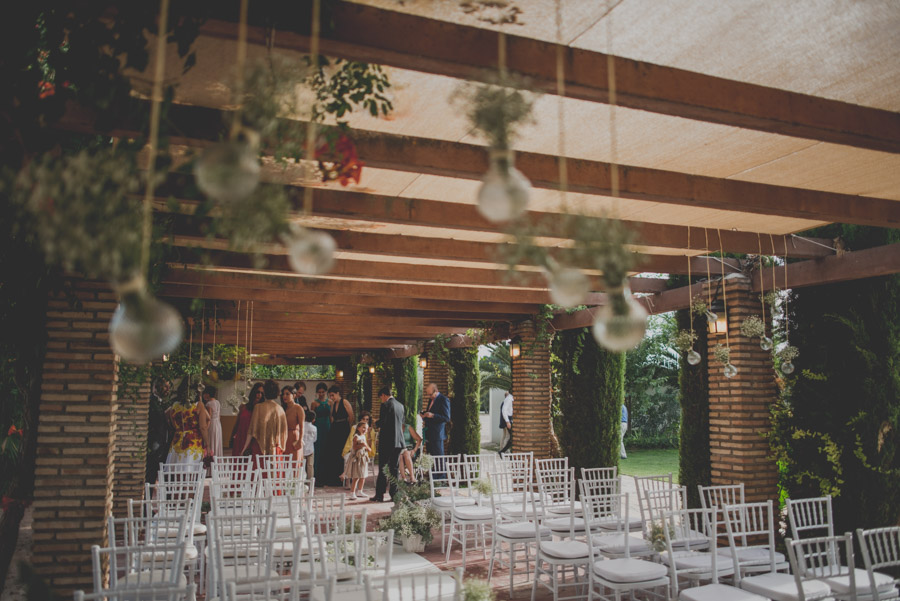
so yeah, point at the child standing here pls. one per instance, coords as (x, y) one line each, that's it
(310, 433)
(359, 460)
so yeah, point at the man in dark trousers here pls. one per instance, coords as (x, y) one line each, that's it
(390, 443)
(435, 418)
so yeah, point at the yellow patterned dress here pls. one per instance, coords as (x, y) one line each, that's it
(187, 445)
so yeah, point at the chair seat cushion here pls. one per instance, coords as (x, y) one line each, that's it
(633, 524)
(190, 553)
(448, 502)
(629, 570)
(615, 544)
(752, 555)
(563, 524)
(520, 530)
(285, 525)
(148, 577)
(199, 529)
(245, 572)
(696, 561)
(717, 592)
(565, 549)
(473, 513)
(564, 508)
(841, 584)
(517, 510)
(783, 587)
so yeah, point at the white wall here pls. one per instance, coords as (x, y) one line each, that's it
(496, 397)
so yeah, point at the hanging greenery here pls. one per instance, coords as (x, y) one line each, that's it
(498, 109)
(406, 386)
(683, 340)
(753, 327)
(722, 354)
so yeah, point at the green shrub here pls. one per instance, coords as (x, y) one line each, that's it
(406, 385)
(464, 401)
(693, 446)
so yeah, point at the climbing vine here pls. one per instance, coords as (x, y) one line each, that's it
(465, 437)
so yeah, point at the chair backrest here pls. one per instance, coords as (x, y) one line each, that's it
(230, 489)
(175, 495)
(820, 558)
(332, 502)
(555, 486)
(180, 472)
(279, 466)
(151, 510)
(603, 506)
(880, 549)
(662, 500)
(746, 523)
(721, 495)
(644, 484)
(351, 556)
(420, 586)
(241, 506)
(288, 494)
(143, 565)
(437, 475)
(599, 473)
(145, 527)
(227, 468)
(337, 521)
(157, 592)
(688, 530)
(283, 589)
(810, 517)
(521, 465)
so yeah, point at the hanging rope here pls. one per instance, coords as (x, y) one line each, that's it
(690, 297)
(215, 325)
(787, 335)
(156, 102)
(708, 275)
(611, 85)
(724, 291)
(250, 347)
(190, 351)
(239, 67)
(202, 333)
(774, 254)
(311, 128)
(560, 108)
(247, 333)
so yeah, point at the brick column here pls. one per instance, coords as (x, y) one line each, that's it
(437, 372)
(531, 389)
(346, 381)
(76, 437)
(377, 384)
(130, 454)
(739, 407)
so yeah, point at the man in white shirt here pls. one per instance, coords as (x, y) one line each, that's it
(506, 418)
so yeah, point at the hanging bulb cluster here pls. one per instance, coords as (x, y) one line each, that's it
(569, 286)
(504, 191)
(310, 252)
(228, 171)
(142, 327)
(621, 323)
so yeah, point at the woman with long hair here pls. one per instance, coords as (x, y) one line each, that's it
(341, 418)
(268, 426)
(322, 410)
(242, 425)
(190, 421)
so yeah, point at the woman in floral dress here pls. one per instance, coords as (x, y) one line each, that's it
(190, 421)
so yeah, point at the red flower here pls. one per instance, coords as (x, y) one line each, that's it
(8, 502)
(339, 160)
(46, 89)
(14, 430)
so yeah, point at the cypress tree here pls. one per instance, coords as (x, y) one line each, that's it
(465, 401)
(693, 448)
(591, 385)
(406, 383)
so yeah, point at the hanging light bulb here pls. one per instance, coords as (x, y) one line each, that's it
(765, 343)
(504, 191)
(143, 328)
(621, 324)
(693, 357)
(228, 171)
(787, 368)
(569, 286)
(730, 370)
(310, 252)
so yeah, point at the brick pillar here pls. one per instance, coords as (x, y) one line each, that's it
(130, 446)
(531, 389)
(437, 372)
(76, 437)
(345, 379)
(739, 407)
(377, 384)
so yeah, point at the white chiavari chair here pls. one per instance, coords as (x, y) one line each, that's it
(880, 549)
(350, 557)
(424, 586)
(464, 517)
(156, 592)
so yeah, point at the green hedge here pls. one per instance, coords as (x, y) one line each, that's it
(693, 383)
(591, 388)
(465, 437)
(406, 385)
(837, 429)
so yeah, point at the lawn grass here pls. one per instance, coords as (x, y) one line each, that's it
(650, 462)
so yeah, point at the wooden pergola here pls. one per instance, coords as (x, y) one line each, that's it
(724, 139)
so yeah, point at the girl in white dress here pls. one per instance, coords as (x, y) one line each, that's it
(214, 408)
(359, 460)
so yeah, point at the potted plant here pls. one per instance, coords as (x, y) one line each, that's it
(412, 524)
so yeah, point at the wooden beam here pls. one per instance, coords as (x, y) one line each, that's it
(405, 272)
(420, 212)
(447, 48)
(479, 310)
(196, 124)
(855, 265)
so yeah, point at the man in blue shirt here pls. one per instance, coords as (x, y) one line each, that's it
(435, 418)
(622, 429)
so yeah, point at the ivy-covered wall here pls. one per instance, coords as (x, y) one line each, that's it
(837, 430)
(465, 437)
(591, 387)
(693, 447)
(406, 385)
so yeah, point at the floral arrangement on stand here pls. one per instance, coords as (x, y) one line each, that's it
(413, 523)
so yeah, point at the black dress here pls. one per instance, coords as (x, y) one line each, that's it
(340, 430)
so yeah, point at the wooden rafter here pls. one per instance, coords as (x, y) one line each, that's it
(410, 42)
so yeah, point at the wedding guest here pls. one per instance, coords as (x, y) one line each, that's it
(409, 454)
(341, 418)
(359, 460)
(322, 410)
(268, 426)
(190, 421)
(506, 421)
(214, 408)
(296, 418)
(436, 416)
(300, 395)
(309, 439)
(159, 432)
(347, 454)
(242, 424)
